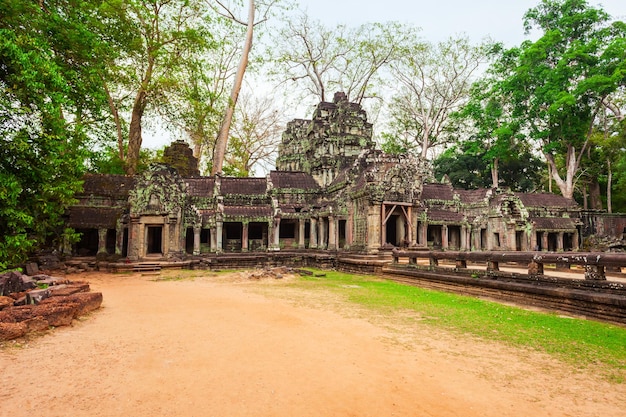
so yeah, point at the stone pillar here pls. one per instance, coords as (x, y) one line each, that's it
(464, 238)
(313, 234)
(422, 231)
(219, 230)
(533, 240)
(275, 244)
(544, 241)
(196, 240)
(321, 241)
(102, 241)
(301, 225)
(444, 237)
(595, 272)
(119, 238)
(165, 241)
(493, 266)
(135, 239)
(350, 230)
(575, 244)
(244, 237)
(535, 268)
(213, 238)
(332, 233)
(559, 242)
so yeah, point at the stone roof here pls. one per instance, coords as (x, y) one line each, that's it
(545, 200)
(554, 223)
(200, 187)
(248, 211)
(107, 185)
(473, 196)
(444, 216)
(297, 180)
(244, 186)
(94, 217)
(435, 191)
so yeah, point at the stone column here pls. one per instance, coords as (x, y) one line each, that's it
(533, 240)
(444, 237)
(559, 242)
(244, 237)
(332, 233)
(196, 240)
(544, 241)
(213, 239)
(464, 238)
(219, 230)
(313, 234)
(275, 244)
(423, 226)
(301, 225)
(575, 244)
(321, 234)
(102, 241)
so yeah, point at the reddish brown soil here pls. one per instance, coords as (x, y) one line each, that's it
(229, 346)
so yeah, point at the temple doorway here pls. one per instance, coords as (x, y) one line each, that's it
(154, 240)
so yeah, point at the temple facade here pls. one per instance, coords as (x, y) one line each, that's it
(331, 190)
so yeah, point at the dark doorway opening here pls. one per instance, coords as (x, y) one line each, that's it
(125, 243)
(155, 239)
(342, 234)
(88, 243)
(189, 240)
(391, 230)
(111, 241)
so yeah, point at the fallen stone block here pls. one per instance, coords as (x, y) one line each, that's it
(10, 331)
(36, 324)
(87, 302)
(36, 296)
(5, 302)
(10, 282)
(67, 289)
(32, 268)
(28, 283)
(56, 314)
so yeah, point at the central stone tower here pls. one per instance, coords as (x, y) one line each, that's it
(327, 144)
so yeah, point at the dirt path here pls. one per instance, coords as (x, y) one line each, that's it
(219, 347)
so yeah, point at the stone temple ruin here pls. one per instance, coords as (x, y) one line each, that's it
(331, 191)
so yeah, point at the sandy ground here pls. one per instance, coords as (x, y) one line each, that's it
(229, 346)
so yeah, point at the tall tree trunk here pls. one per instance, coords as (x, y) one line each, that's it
(222, 139)
(595, 200)
(609, 186)
(134, 134)
(139, 106)
(117, 120)
(495, 180)
(571, 165)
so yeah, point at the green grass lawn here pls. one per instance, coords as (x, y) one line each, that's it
(583, 343)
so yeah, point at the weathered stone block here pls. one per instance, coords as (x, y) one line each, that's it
(5, 302)
(595, 273)
(32, 268)
(36, 296)
(10, 331)
(87, 302)
(10, 282)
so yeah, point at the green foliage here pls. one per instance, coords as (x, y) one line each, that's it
(107, 160)
(557, 85)
(468, 167)
(50, 95)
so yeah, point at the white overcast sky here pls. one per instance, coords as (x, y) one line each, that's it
(439, 19)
